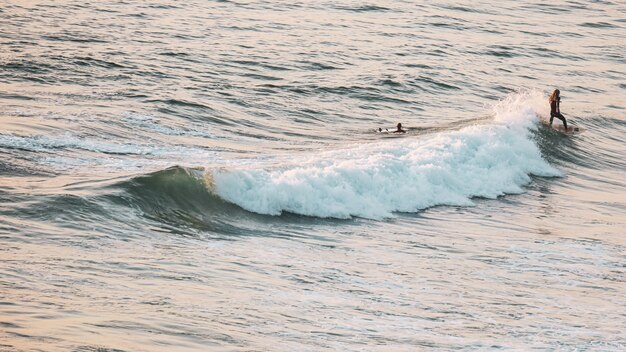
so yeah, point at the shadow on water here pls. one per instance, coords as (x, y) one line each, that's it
(593, 148)
(556, 147)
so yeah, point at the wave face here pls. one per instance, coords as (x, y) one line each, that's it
(178, 198)
(403, 175)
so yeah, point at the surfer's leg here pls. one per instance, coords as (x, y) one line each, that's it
(551, 118)
(562, 118)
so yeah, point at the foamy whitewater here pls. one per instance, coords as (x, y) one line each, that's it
(183, 176)
(373, 180)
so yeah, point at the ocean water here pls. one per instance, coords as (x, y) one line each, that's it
(208, 175)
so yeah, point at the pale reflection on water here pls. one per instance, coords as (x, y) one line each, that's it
(105, 246)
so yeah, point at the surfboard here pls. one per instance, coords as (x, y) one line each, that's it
(390, 132)
(386, 134)
(571, 129)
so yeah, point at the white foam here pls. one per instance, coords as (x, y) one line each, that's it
(402, 175)
(62, 152)
(70, 141)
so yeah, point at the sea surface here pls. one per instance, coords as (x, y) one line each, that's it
(209, 176)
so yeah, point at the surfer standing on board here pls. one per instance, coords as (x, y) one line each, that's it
(555, 111)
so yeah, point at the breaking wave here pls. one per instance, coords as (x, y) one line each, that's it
(403, 175)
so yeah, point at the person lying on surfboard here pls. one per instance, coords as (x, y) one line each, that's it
(398, 130)
(555, 111)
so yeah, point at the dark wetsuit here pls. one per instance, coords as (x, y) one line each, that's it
(555, 112)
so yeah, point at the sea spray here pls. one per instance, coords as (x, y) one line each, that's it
(404, 175)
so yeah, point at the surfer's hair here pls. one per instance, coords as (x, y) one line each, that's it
(554, 95)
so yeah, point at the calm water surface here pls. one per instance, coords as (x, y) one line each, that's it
(207, 175)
